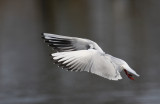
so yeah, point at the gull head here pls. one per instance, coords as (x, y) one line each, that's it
(127, 69)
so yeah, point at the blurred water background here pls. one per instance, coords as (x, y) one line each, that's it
(128, 29)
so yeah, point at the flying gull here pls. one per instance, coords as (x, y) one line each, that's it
(78, 54)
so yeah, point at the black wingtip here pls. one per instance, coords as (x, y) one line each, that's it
(42, 36)
(46, 41)
(51, 45)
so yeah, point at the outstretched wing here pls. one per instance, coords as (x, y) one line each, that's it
(87, 60)
(65, 43)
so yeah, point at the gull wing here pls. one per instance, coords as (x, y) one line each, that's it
(87, 60)
(65, 43)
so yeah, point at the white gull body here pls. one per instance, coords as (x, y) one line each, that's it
(77, 54)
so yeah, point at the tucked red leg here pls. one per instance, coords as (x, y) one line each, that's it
(129, 75)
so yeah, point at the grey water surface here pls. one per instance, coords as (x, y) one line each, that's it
(128, 29)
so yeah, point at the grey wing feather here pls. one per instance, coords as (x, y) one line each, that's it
(65, 43)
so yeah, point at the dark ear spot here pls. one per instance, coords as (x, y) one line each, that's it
(90, 46)
(87, 46)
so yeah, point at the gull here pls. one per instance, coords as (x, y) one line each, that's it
(79, 54)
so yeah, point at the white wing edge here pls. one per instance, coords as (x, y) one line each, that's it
(84, 60)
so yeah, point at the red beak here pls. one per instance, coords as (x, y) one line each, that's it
(129, 75)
